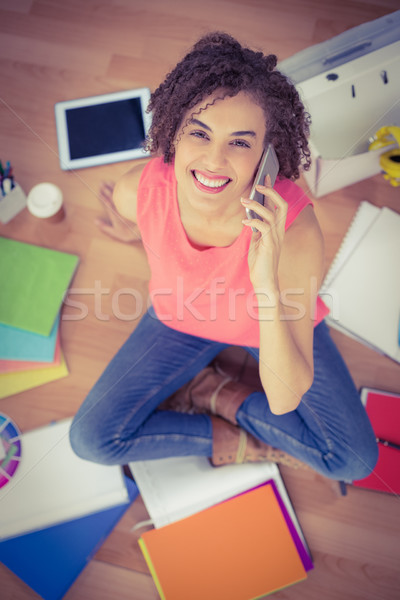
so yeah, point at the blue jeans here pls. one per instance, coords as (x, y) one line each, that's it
(118, 422)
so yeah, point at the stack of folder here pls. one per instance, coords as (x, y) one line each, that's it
(219, 533)
(33, 284)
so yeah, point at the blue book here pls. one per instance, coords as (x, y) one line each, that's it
(17, 344)
(51, 559)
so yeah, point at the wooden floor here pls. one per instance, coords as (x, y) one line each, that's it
(53, 50)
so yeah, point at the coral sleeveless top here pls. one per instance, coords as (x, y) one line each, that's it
(201, 292)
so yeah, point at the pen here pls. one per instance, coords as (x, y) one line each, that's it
(388, 444)
(7, 185)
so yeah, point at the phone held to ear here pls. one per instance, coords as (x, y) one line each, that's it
(269, 165)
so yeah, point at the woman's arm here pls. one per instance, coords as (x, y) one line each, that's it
(286, 270)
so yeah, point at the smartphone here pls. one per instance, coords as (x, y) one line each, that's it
(269, 165)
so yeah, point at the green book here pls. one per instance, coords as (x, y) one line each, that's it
(33, 282)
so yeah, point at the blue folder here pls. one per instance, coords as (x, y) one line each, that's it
(50, 560)
(17, 344)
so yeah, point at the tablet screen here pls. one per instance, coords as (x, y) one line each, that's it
(105, 128)
(102, 129)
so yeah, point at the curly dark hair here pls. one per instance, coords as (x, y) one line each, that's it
(219, 62)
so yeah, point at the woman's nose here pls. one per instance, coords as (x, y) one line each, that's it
(215, 158)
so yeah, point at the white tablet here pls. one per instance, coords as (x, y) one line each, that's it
(102, 129)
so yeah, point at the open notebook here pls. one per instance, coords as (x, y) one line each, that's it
(362, 287)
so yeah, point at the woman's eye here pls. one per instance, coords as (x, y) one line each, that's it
(241, 143)
(199, 134)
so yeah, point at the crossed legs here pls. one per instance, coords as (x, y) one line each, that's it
(119, 422)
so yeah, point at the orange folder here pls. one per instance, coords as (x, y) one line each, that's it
(240, 549)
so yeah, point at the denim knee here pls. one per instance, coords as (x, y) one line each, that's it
(87, 444)
(366, 463)
(352, 465)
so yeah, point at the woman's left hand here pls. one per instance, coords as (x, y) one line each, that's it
(266, 243)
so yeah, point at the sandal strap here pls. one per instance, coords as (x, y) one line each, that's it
(214, 395)
(242, 445)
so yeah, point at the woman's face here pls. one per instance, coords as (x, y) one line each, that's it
(217, 152)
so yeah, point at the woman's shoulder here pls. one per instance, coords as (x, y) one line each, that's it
(296, 198)
(126, 190)
(142, 177)
(292, 192)
(301, 222)
(157, 173)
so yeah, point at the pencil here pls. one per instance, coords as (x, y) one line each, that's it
(388, 444)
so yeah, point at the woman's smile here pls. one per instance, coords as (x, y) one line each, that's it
(210, 184)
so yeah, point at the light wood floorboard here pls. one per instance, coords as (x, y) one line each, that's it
(52, 50)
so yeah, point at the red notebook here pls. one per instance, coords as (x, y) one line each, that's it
(383, 409)
(239, 549)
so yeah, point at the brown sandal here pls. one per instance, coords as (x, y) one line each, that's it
(233, 445)
(210, 392)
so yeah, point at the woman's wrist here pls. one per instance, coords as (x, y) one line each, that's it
(267, 295)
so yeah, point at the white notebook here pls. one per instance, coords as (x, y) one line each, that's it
(175, 488)
(53, 485)
(362, 287)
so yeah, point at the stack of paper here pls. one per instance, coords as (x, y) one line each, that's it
(53, 485)
(219, 532)
(362, 287)
(33, 284)
(57, 510)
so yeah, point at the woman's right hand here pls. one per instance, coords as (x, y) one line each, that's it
(114, 225)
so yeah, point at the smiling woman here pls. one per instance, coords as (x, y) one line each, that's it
(215, 282)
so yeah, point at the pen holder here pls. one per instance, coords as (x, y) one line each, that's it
(11, 204)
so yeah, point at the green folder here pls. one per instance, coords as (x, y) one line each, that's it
(33, 282)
